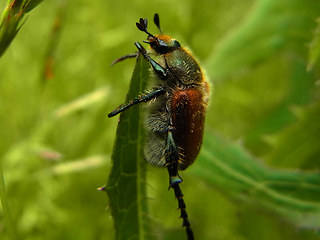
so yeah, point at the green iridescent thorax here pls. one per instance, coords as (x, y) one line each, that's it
(184, 66)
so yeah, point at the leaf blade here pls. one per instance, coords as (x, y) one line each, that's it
(126, 187)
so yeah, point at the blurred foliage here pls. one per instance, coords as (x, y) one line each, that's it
(314, 51)
(56, 88)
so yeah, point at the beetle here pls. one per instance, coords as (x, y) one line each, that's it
(178, 104)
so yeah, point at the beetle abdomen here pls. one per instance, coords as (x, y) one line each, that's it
(188, 108)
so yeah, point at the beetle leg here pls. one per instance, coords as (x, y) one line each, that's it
(147, 96)
(131, 55)
(156, 66)
(172, 157)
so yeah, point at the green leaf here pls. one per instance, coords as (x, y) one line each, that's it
(292, 194)
(126, 185)
(29, 5)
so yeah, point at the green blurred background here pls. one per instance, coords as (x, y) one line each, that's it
(57, 86)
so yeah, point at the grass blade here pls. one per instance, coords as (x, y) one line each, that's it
(12, 20)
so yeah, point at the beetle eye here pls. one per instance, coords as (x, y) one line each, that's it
(176, 43)
(162, 43)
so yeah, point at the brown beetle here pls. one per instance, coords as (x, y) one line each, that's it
(175, 121)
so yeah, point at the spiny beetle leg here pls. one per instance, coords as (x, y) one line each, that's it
(147, 96)
(156, 66)
(172, 157)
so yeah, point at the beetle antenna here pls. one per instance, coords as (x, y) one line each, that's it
(157, 21)
(142, 25)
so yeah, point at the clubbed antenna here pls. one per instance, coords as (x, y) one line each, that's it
(142, 25)
(157, 21)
